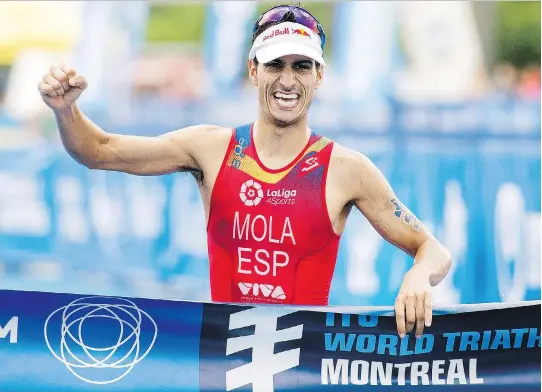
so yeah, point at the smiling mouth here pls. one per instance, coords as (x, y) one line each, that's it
(286, 100)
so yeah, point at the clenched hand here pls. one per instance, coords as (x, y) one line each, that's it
(61, 87)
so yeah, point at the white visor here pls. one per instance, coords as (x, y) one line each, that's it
(285, 39)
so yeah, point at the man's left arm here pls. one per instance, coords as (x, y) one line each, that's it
(376, 200)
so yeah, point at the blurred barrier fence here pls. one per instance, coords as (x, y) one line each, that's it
(75, 343)
(66, 228)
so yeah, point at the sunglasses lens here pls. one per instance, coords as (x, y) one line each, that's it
(306, 20)
(302, 17)
(273, 15)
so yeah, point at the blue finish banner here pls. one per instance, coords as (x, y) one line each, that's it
(66, 342)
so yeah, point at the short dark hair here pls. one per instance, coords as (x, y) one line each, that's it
(288, 17)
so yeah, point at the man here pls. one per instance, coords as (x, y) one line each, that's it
(276, 194)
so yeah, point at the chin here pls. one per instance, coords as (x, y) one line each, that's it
(285, 121)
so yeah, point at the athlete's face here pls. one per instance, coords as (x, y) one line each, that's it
(285, 87)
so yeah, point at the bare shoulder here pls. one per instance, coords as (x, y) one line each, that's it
(347, 157)
(353, 171)
(201, 142)
(203, 133)
(349, 163)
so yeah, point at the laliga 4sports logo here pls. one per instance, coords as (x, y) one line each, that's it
(251, 193)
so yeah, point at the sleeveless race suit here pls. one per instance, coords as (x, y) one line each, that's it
(270, 239)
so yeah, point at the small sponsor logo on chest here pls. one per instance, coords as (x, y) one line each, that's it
(277, 197)
(252, 193)
(284, 193)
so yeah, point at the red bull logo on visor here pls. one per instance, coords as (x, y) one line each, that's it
(286, 31)
(301, 32)
(277, 32)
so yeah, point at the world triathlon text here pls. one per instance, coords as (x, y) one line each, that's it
(388, 344)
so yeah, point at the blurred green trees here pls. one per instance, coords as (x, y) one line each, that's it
(184, 22)
(516, 26)
(517, 32)
(176, 23)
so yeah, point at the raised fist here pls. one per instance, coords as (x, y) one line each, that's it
(61, 87)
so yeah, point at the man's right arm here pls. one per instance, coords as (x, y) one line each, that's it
(95, 148)
(91, 146)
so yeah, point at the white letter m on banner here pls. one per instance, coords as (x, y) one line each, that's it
(10, 328)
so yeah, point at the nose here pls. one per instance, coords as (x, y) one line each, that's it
(287, 79)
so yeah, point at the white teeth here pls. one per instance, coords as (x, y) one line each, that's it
(286, 96)
(286, 100)
(287, 104)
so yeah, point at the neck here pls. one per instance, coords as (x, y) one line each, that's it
(278, 146)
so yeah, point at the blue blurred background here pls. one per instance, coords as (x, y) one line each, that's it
(443, 96)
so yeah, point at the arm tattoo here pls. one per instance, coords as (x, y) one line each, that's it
(402, 213)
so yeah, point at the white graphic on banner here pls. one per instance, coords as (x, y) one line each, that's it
(444, 50)
(146, 201)
(532, 250)
(510, 260)
(186, 221)
(454, 235)
(11, 328)
(226, 39)
(106, 209)
(106, 363)
(107, 215)
(22, 208)
(72, 217)
(265, 363)
(364, 245)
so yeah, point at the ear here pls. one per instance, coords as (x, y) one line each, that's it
(319, 76)
(253, 72)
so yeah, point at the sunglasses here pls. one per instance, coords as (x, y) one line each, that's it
(303, 17)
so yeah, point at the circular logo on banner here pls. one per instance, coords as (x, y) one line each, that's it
(100, 339)
(251, 193)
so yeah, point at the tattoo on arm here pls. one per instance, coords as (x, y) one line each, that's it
(402, 213)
